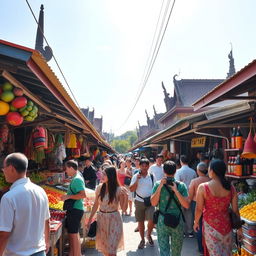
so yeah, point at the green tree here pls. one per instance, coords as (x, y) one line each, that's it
(123, 142)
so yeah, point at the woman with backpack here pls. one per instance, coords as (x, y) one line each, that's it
(169, 196)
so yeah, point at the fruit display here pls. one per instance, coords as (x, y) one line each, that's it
(249, 211)
(57, 215)
(37, 177)
(54, 197)
(243, 253)
(15, 106)
(3, 183)
(249, 198)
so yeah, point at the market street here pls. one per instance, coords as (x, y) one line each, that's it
(132, 240)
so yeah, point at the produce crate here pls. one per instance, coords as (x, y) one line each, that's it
(250, 246)
(249, 230)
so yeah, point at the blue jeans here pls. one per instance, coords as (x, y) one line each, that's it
(41, 253)
(199, 234)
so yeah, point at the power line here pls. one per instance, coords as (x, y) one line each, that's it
(153, 59)
(53, 55)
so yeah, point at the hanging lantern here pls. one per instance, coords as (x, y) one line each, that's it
(249, 145)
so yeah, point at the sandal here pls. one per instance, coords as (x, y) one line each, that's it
(150, 241)
(141, 244)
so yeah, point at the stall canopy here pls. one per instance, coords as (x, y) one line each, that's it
(27, 69)
(241, 86)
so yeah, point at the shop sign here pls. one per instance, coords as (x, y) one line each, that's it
(198, 142)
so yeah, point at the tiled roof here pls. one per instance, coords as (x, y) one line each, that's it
(192, 89)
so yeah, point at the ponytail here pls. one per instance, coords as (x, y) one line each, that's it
(225, 183)
(219, 168)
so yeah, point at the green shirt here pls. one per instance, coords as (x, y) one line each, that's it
(164, 197)
(77, 185)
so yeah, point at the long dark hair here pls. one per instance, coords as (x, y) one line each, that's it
(112, 184)
(219, 168)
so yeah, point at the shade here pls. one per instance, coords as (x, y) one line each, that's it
(249, 147)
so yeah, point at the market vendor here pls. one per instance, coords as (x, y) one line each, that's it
(74, 214)
(89, 173)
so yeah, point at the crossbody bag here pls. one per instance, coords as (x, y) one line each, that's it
(146, 200)
(170, 219)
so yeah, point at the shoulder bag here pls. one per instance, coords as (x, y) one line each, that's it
(69, 203)
(171, 220)
(147, 200)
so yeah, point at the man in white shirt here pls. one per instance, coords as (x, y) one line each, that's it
(186, 174)
(157, 168)
(143, 182)
(24, 212)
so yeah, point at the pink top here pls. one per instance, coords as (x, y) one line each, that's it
(215, 211)
(121, 177)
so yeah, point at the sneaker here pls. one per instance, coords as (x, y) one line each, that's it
(150, 241)
(191, 235)
(141, 244)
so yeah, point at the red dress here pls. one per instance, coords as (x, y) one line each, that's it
(121, 177)
(217, 224)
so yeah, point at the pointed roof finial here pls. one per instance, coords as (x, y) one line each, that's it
(147, 114)
(232, 69)
(47, 51)
(154, 110)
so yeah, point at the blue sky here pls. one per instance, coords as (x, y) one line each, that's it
(102, 47)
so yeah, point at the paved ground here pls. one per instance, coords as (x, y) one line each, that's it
(132, 240)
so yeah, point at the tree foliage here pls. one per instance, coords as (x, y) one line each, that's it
(123, 142)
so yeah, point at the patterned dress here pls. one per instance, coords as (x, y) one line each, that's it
(109, 236)
(217, 224)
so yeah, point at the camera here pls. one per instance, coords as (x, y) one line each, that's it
(169, 181)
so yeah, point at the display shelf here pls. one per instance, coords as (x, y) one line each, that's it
(239, 177)
(233, 150)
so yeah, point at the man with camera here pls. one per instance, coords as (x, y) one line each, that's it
(169, 195)
(142, 183)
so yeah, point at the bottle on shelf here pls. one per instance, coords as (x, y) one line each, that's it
(238, 138)
(232, 165)
(254, 167)
(228, 170)
(238, 166)
(233, 138)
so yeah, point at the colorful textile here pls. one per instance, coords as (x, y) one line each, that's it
(110, 237)
(216, 243)
(216, 212)
(163, 237)
(217, 229)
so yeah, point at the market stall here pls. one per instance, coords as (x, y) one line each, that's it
(39, 119)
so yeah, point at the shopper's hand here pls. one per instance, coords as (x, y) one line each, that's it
(64, 197)
(88, 225)
(174, 187)
(163, 181)
(196, 226)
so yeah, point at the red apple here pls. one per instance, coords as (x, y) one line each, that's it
(17, 91)
(14, 118)
(19, 102)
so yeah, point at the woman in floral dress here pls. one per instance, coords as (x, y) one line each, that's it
(109, 195)
(213, 201)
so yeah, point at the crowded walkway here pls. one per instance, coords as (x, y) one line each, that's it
(132, 240)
